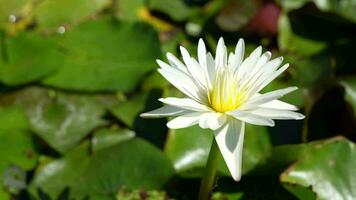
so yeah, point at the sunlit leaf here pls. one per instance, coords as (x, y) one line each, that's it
(16, 145)
(106, 55)
(189, 148)
(176, 9)
(327, 169)
(344, 8)
(27, 58)
(62, 120)
(55, 13)
(131, 164)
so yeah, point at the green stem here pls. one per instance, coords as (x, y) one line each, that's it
(209, 173)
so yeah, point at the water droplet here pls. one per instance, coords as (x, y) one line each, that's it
(12, 18)
(193, 29)
(61, 30)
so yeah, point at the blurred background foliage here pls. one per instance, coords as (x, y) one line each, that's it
(76, 74)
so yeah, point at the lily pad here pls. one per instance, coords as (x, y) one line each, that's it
(328, 170)
(344, 8)
(176, 9)
(8, 8)
(54, 13)
(62, 120)
(105, 137)
(131, 164)
(28, 57)
(293, 43)
(188, 149)
(350, 91)
(16, 145)
(100, 56)
(154, 130)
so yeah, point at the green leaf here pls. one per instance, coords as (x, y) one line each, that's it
(189, 148)
(113, 56)
(16, 146)
(54, 176)
(28, 57)
(16, 143)
(349, 84)
(327, 169)
(296, 98)
(128, 112)
(62, 120)
(309, 72)
(293, 43)
(8, 8)
(131, 164)
(280, 158)
(236, 14)
(105, 137)
(54, 13)
(137, 195)
(227, 196)
(129, 9)
(176, 9)
(344, 8)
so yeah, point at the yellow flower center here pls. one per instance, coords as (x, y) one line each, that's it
(226, 93)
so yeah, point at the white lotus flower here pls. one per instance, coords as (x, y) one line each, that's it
(222, 94)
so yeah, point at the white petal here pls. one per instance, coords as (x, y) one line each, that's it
(277, 104)
(231, 61)
(202, 53)
(184, 83)
(175, 62)
(164, 65)
(185, 55)
(230, 139)
(267, 78)
(185, 120)
(256, 70)
(239, 52)
(267, 97)
(248, 64)
(185, 103)
(251, 118)
(194, 68)
(210, 67)
(277, 113)
(197, 72)
(165, 111)
(221, 54)
(212, 120)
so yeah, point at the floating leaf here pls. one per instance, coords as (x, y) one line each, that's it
(350, 91)
(131, 164)
(154, 130)
(176, 9)
(16, 146)
(129, 9)
(236, 14)
(55, 13)
(28, 57)
(293, 43)
(62, 120)
(104, 138)
(100, 56)
(188, 148)
(328, 169)
(68, 171)
(344, 8)
(8, 8)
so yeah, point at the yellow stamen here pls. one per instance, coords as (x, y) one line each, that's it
(226, 93)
